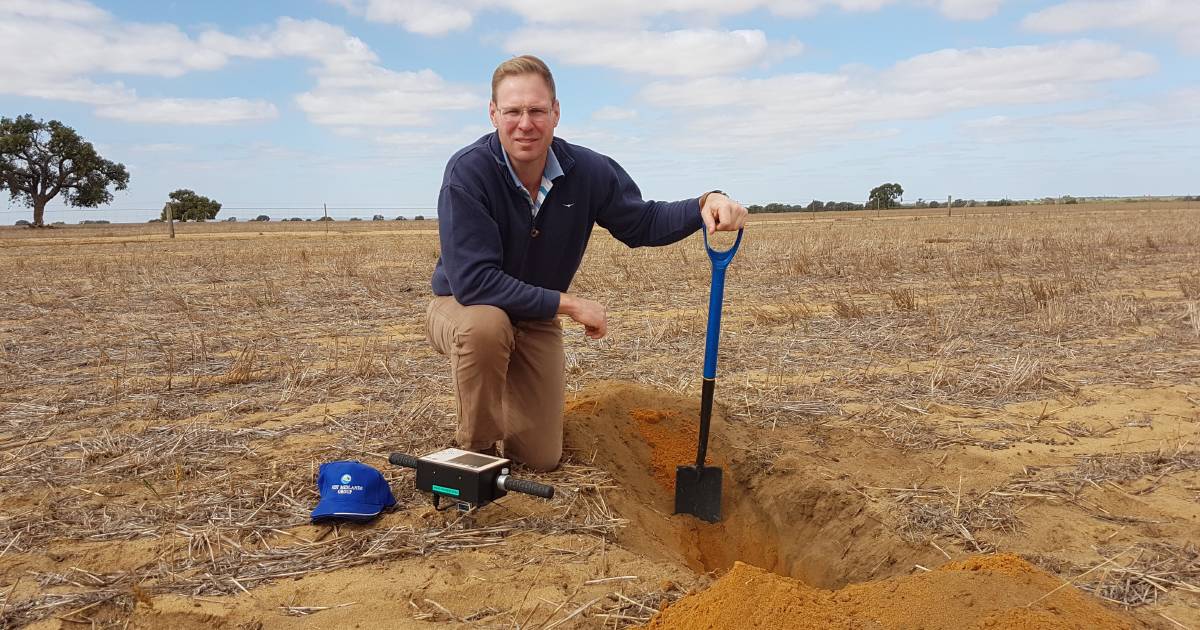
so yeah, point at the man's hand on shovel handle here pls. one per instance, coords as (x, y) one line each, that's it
(720, 213)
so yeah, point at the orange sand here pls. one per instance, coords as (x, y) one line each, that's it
(1001, 591)
(672, 442)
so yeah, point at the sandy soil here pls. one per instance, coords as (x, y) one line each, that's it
(999, 591)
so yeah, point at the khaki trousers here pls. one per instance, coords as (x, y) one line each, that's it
(509, 379)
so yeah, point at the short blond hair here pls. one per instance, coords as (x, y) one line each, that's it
(525, 64)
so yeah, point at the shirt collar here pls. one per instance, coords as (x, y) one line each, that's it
(552, 171)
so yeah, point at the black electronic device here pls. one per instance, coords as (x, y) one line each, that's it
(471, 480)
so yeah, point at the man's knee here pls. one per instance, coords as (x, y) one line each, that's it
(484, 328)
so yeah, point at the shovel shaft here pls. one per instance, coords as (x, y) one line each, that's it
(712, 337)
(711, 341)
(706, 400)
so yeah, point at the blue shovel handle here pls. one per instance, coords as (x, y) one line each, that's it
(716, 295)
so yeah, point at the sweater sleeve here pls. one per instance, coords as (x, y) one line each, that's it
(472, 257)
(637, 222)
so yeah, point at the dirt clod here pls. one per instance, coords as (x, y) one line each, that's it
(1001, 591)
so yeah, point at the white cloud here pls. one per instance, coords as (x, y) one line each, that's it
(968, 9)
(318, 41)
(611, 113)
(395, 99)
(68, 10)
(439, 17)
(1178, 18)
(991, 122)
(1131, 118)
(807, 108)
(66, 89)
(351, 88)
(671, 53)
(32, 65)
(55, 49)
(609, 10)
(1049, 68)
(160, 147)
(1178, 109)
(953, 9)
(427, 17)
(197, 111)
(431, 142)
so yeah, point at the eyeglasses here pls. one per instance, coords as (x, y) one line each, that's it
(514, 114)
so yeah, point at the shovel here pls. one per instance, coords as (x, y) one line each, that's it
(698, 488)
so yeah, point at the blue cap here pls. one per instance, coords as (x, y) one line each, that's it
(351, 491)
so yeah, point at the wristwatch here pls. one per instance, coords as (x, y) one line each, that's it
(704, 197)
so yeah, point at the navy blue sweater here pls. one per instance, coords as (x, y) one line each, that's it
(494, 252)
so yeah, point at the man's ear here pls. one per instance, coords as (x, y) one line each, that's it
(554, 108)
(492, 114)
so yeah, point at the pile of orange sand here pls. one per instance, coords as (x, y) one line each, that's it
(1001, 591)
(672, 442)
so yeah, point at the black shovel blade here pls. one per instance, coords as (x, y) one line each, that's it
(698, 492)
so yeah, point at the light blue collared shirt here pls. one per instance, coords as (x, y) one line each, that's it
(551, 172)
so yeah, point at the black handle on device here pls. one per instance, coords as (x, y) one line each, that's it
(401, 459)
(529, 487)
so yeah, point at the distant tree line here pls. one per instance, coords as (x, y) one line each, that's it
(264, 218)
(843, 206)
(815, 206)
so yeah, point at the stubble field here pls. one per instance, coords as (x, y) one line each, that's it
(894, 392)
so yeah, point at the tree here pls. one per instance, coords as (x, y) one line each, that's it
(40, 160)
(188, 206)
(885, 196)
(378, 217)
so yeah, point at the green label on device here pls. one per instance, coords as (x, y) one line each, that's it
(444, 490)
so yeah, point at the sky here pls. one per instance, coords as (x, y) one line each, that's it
(279, 108)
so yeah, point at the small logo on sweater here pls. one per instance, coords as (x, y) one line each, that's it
(568, 205)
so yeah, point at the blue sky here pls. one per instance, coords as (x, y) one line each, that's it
(358, 103)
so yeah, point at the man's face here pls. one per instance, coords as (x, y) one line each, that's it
(525, 115)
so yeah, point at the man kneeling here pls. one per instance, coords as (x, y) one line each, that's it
(515, 212)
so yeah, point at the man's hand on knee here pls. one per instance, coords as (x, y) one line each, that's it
(591, 314)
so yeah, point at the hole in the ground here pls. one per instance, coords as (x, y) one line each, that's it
(799, 523)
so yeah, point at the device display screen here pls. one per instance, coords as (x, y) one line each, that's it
(472, 460)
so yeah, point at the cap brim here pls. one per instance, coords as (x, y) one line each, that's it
(327, 509)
